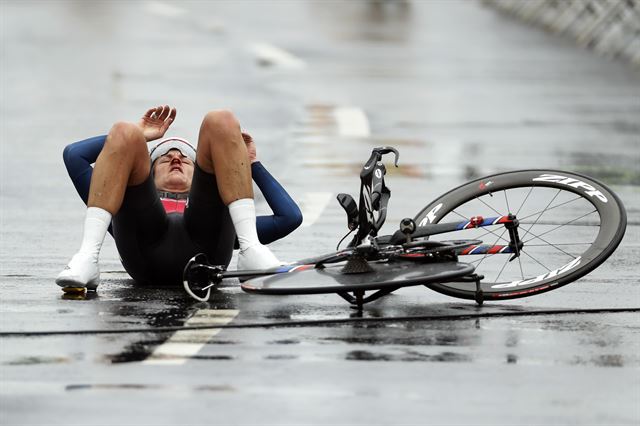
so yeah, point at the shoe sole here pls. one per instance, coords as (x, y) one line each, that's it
(70, 286)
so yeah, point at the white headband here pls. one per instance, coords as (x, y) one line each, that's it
(166, 145)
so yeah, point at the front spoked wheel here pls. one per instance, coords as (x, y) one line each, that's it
(569, 224)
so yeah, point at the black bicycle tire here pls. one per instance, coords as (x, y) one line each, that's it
(612, 212)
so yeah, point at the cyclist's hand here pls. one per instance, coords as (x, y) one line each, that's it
(155, 122)
(251, 147)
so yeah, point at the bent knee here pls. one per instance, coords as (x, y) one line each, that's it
(220, 121)
(124, 133)
(295, 219)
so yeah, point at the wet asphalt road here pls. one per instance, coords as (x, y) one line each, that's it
(460, 90)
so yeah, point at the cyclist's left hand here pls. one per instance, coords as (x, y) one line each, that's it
(251, 147)
(156, 121)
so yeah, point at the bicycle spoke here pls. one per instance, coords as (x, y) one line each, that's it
(506, 200)
(550, 244)
(550, 223)
(496, 242)
(541, 213)
(489, 232)
(491, 207)
(459, 214)
(525, 200)
(558, 227)
(480, 260)
(552, 208)
(559, 244)
(537, 261)
(501, 270)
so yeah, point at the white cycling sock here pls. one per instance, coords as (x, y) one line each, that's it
(96, 224)
(243, 216)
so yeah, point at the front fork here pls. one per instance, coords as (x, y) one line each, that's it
(515, 244)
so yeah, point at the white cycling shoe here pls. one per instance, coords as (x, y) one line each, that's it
(81, 272)
(257, 257)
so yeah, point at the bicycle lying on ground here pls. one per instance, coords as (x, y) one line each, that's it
(503, 236)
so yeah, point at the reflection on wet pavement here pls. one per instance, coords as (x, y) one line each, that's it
(612, 169)
(460, 91)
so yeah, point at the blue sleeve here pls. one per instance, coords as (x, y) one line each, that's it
(286, 213)
(78, 158)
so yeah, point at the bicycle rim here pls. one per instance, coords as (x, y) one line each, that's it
(569, 224)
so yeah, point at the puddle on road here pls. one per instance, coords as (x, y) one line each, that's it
(610, 175)
(145, 387)
(281, 357)
(212, 357)
(449, 339)
(606, 360)
(134, 352)
(37, 360)
(284, 342)
(611, 169)
(408, 356)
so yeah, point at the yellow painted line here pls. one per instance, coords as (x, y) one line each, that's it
(184, 344)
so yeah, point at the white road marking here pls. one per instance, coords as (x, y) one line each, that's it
(312, 206)
(349, 121)
(268, 54)
(164, 9)
(185, 343)
(352, 122)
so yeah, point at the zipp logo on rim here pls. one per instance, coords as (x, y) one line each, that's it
(431, 216)
(566, 268)
(574, 183)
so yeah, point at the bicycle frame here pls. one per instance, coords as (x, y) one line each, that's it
(510, 222)
(373, 201)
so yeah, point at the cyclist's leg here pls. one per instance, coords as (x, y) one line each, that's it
(123, 161)
(223, 153)
(207, 219)
(138, 226)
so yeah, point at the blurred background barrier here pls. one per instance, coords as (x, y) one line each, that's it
(609, 27)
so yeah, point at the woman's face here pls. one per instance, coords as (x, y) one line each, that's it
(173, 172)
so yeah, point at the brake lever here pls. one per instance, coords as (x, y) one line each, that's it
(376, 155)
(378, 172)
(349, 205)
(386, 150)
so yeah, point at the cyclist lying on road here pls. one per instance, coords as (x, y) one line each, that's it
(165, 205)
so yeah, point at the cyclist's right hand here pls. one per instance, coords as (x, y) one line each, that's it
(156, 121)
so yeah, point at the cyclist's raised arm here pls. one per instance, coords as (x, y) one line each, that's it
(78, 158)
(286, 213)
